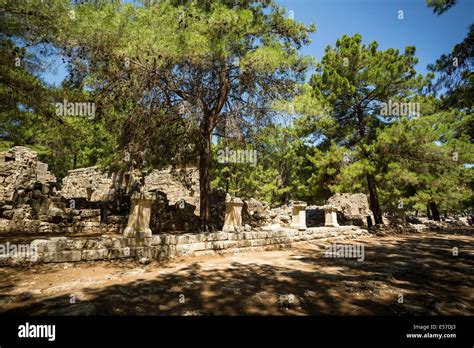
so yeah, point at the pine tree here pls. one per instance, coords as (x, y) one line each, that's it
(355, 80)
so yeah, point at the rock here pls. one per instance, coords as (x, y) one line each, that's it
(53, 211)
(289, 301)
(88, 213)
(21, 168)
(385, 230)
(144, 260)
(254, 206)
(353, 208)
(8, 214)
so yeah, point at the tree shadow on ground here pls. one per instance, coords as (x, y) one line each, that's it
(421, 269)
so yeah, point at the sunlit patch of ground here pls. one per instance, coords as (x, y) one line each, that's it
(409, 274)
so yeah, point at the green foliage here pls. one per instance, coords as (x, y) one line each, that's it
(27, 114)
(440, 6)
(169, 77)
(278, 174)
(456, 74)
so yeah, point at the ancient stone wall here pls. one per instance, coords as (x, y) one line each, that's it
(95, 184)
(36, 210)
(177, 185)
(91, 183)
(62, 249)
(19, 168)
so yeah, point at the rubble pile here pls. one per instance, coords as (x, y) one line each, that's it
(352, 209)
(257, 214)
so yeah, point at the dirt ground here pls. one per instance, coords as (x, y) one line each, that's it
(408, 274)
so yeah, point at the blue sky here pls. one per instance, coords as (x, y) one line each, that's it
(375, 20)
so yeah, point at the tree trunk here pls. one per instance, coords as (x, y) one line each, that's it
(205, 179)
(434, 211)
(428, 211)
(374, 199)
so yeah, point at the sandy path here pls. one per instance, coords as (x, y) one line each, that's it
(410, 274)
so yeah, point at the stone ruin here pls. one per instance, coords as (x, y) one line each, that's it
(346, 209)
(98, 185)
(351, 208)
(19, 167)
(98, 215)
(91, 201)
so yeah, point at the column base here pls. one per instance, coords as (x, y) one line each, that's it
(228, 228)
(130, 232)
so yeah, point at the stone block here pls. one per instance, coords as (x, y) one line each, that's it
(99, 254)
(192, 247)
(244, 243)
(230, 244)
(222, 235)
(185, 239)
(169, 240)
(218, 245)
(156, 240)
(260, 242)
(75, 244)
(61, 256)
(91, 219)
(94, 244)
(212, 236)
(56, 244)
(233, 236)
(201, 237)
(40, 245)
(144, 252)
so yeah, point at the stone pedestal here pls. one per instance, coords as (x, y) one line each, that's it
(330, 216)
(298, 215)
(233, 215)
(139, 219)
